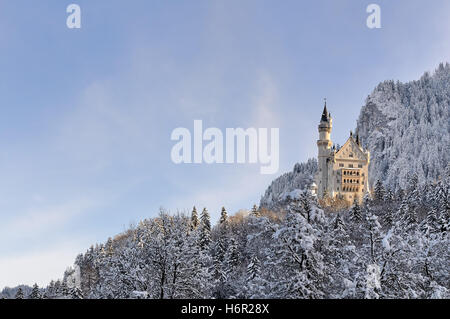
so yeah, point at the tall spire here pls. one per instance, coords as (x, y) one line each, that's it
(325, 113)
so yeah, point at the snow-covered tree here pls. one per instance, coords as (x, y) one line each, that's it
(19, 294)
(35, 292)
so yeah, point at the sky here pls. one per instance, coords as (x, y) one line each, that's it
(86, 114)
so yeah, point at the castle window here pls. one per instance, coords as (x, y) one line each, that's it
(350, 155)
(357, 173)
(360, 165)
(341, 165)
(350, 165)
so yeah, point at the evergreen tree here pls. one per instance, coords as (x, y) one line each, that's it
(389, 196)
(63, 290)
(205, 229)
(223, 217)
(379, 191)
(19, 294)
(232, 255)
(374, 234)
(339, 223)
(407, 216)
(388, 217)
(430, 225)
(355, 214)
(306, 206)
(35, 293)
(253, 268)
(75, 293)
(194, 219)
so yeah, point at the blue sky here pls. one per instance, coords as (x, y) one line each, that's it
(86, 115)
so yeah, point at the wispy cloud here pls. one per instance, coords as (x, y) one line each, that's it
(43, 219)
(266, 102)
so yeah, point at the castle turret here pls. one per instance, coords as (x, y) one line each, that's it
(324, 145)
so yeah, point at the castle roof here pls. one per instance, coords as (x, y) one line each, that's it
(351, 146)
(325, 114)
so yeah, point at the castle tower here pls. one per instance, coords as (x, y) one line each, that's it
(324, 147)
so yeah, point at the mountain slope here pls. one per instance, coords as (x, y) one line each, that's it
(290, 184)
(406, 128)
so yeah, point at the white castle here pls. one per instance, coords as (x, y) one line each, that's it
(342, 173)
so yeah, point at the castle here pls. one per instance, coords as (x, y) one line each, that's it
(342, 173)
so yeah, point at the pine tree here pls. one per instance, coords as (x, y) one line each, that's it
(389, 195)
(19, 294)
(194, 219)
(232, 255)
(373, 234)
(63, 290)
(399, 195)
(379, 191)
(223, 217)
(205, 229)
(306, 206)
(407, 216)
(75, 293)
(388, 217)
(35, 293)
(430, 225)
(355, 214)
(253, 268)
(338, 223)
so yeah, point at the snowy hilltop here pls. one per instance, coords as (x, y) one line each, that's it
(406, 128)
(290, 185)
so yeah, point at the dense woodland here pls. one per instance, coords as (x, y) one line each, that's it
(393, 245)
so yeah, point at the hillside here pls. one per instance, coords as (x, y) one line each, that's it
(406, 128)
(289, 185)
